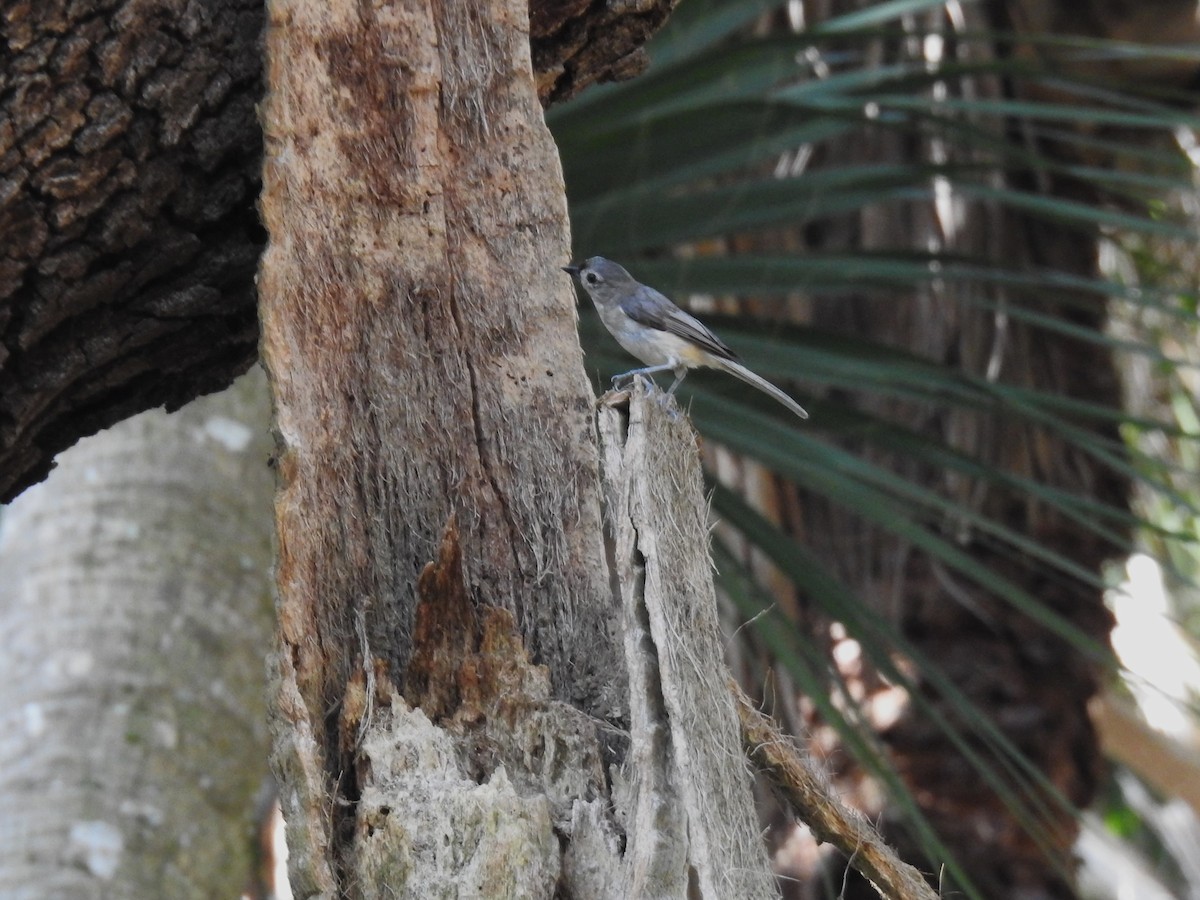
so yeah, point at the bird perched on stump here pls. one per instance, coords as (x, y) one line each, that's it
(658, 332)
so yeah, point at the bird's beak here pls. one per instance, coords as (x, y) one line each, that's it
(572, 269)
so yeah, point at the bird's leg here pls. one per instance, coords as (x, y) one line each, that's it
(648, 370)
(680, 374)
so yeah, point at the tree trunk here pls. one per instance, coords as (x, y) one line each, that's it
(135, 602)
(429, 392)
(129, 164)
(453, 700)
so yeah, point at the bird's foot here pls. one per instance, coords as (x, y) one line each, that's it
(626, 380)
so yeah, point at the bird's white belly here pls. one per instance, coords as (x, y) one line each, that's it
(651, 346)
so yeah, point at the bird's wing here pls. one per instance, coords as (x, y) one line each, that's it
(648, 307)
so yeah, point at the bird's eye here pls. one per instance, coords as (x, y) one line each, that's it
(591, 278)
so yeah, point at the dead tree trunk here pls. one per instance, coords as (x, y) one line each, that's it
(429, 394)
(452, 699)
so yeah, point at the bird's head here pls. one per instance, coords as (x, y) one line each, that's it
(602, 278)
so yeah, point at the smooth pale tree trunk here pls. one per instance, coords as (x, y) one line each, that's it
(452, 712)
(134, 622)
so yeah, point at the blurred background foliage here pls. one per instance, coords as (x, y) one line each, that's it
(962, 235)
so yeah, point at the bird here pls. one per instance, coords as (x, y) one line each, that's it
(657, 332)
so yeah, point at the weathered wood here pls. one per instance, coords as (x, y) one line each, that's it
(811, 797)
(693, 829)
(470, 782)
(427, 377)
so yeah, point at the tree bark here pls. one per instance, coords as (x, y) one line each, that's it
(129, 161)
(135, 608)
(427, 377)
(691, 825)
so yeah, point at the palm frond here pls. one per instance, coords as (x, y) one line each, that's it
(723, 144)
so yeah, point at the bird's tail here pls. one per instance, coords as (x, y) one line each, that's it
(739, 371)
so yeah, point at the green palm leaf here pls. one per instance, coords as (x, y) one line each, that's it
(721, 142)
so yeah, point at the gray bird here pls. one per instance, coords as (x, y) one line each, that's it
(658, 332)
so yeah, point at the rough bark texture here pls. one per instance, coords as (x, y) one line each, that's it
(453, 704)
(577, 43)
(134, 616)
(469, 782)
(426, 371)
(129, 166)
(472, 780)
(691, 826)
